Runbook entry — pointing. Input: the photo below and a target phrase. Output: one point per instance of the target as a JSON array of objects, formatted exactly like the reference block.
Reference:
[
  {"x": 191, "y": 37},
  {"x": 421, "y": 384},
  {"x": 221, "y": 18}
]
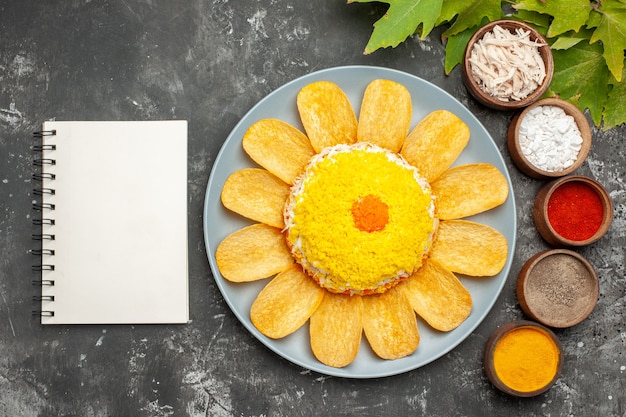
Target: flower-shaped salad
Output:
[{"x": 360, "y": 222}]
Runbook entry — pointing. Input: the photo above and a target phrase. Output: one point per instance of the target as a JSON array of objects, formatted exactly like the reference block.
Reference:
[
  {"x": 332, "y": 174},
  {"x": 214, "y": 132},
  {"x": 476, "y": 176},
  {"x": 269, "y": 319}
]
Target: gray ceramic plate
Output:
[{"x": 219, "y": 222}]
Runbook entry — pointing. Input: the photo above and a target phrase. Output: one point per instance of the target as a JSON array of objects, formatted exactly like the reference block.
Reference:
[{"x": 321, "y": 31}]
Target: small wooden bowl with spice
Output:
[
  {"x": 549, "y": 139},
  {"x": 523, "y": 358},
  {"x": 572, "y": 211},
  {"x": 558, "y": 288},
  {"x": 495, "y": 75}
]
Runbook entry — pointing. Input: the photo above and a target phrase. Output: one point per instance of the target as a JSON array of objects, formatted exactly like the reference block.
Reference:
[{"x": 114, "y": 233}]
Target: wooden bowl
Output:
[
  {"x": 500, "y": 366},
  {"x": 579, "y": 210},
  {"x": 558, "y": 288},
  {"x": 517, "y": 154},
  {"x": 486, "y": 99}
]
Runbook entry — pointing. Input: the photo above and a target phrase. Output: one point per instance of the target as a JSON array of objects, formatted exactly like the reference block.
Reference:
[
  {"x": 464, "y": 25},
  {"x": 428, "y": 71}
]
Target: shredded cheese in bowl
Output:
[{"x": 506, "y": 65}]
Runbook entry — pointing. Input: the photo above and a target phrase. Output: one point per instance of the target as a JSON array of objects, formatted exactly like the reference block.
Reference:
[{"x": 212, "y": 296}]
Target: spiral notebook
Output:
[{"x": 111, "y": 200}]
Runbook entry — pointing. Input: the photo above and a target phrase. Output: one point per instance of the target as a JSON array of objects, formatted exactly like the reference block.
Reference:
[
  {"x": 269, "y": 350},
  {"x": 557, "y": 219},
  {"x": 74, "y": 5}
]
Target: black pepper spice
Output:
[{"x": 558, "y": 290}]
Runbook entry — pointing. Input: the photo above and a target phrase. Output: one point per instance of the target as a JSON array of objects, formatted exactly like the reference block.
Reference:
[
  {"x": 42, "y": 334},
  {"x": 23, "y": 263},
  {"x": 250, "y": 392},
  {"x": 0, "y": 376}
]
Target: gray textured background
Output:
[{"x": 209, "y": 62}]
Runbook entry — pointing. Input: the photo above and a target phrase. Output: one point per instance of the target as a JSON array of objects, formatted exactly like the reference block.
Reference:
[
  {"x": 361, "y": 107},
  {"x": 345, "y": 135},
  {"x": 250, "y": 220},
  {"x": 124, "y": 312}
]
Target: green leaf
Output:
[
  {"x": 581, "y": 76},
  {"x": 455, "y": 49},
  {"x": 569, "y": 39},
  {"x": 587, "y": 37},
  {"x": 539, "y": 20},
  {"x": 567, "y": 14},
  {"x": 465, "y": 14},
  {"x": 615, "y": 107},
  {"x": 610, "y": 24},
  {"x": 402, "y": 20},
  {"x": 564, "y": 42}
]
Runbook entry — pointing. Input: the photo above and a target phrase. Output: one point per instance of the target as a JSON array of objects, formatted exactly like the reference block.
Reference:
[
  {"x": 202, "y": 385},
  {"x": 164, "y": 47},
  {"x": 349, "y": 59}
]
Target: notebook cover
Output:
[{"x": 120, "y": 223}]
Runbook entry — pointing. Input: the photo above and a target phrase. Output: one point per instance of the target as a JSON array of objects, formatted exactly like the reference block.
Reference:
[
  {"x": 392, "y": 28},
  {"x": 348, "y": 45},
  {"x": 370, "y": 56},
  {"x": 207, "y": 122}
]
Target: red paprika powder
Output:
[{"x": 575, "y": 211}]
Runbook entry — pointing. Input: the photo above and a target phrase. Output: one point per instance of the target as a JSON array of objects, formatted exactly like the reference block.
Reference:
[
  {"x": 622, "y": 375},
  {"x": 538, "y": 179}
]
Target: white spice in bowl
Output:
[{"x": 549, "y": 138}]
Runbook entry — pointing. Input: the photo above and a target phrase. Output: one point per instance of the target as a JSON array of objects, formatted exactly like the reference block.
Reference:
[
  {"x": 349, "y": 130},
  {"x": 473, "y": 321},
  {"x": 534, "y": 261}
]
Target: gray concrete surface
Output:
[{"x": 209, "y": 62}]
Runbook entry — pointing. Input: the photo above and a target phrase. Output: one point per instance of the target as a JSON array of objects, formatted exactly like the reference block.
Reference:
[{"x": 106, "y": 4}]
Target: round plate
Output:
[{"x": 220, "y": 222}]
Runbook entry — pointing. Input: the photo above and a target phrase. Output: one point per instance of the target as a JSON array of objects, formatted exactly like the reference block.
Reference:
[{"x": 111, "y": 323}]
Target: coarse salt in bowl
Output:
[
  {"x": 550, "y": 138},
  {"x": 493, "y": 71}
]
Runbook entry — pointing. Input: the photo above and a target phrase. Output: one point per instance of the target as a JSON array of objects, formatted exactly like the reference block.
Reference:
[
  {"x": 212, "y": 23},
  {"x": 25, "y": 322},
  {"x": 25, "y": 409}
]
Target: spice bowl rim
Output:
[
  {"x": 490, "y": 346},
  {"x": 525, "y": 300},
  {"x": 515, "y": 150},
  {"x": 492, "y": 102},
  {"x": 540, "y": 212}
]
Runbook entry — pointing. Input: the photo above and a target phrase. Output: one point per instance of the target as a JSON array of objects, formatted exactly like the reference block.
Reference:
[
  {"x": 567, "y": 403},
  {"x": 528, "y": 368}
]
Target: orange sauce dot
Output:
[{"x": 370, "y": 214}]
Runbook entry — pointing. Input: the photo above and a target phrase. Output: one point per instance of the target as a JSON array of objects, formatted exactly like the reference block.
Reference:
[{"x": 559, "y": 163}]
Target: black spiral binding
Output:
[{"x": 43, "y": 211}]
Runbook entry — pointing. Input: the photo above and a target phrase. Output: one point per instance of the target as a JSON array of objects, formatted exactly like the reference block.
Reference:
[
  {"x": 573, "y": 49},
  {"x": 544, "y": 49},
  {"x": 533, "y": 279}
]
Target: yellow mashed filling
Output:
[{"x": 326, "y": 238}]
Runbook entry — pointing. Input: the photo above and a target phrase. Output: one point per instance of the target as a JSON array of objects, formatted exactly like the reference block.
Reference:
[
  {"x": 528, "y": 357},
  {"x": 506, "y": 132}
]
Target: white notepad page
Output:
[{"x": 120, "y": 223}]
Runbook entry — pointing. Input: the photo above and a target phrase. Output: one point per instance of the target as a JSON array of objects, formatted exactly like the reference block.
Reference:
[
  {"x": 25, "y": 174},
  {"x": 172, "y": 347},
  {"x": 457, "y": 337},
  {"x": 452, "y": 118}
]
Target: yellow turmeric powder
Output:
[{"x": 526, "y": 359}]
